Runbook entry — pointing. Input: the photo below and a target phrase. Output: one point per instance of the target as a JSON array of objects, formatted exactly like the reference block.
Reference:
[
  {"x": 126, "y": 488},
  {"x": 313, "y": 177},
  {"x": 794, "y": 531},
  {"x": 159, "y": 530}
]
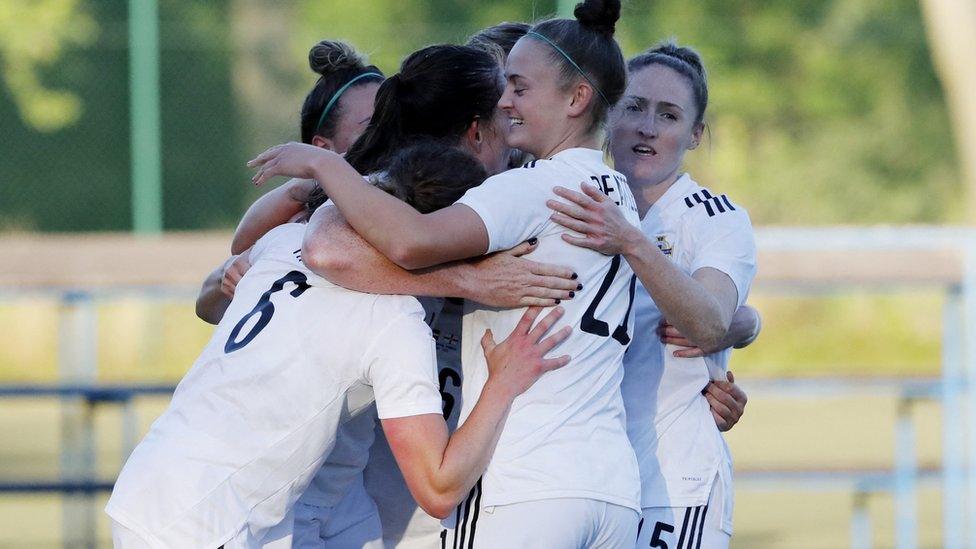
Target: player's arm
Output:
[
  {"x": 699, "y": 306},
  {"x": 410, "y": 239},
  {"x": 440, "y": 470},
  {"x": 744, "y": 329},
  {"x": 274, "y": 208},
  {"x": 218, "y": 288},
  {"x": 336, "y": 252}
]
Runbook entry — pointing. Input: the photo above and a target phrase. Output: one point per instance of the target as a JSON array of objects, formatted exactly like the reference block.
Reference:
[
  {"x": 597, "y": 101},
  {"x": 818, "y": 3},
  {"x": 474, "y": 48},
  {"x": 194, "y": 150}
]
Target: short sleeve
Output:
[
  {"x": 401, "y": 366},
  {"x": 512, "y": 205},
  {"x": 294, "y": 231},
  {"x": 725, "y": 242}
]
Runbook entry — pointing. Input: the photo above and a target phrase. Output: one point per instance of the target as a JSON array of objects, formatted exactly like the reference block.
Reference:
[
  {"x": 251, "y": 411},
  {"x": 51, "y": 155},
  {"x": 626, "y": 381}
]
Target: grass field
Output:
[{"x": 816, "y": 336}]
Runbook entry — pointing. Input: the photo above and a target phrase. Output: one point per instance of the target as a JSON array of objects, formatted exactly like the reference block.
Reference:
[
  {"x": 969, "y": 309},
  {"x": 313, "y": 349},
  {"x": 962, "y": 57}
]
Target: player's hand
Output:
[
  {"x": 727, "y": 402},
  {"x": 290, "y": 159},
  {"x": 233, "y": 272},
  {"x": 518, "y": 361},
  {"x": 592, "y": 214},
  {"x": 671, "y": 336},
  {"x": 505, "y": 279}
]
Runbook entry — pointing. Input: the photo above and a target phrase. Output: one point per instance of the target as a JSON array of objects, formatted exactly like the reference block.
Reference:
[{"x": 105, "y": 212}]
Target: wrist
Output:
[
  {"x": 498, "y": 390},
  {"x": 633, "y": 242}
]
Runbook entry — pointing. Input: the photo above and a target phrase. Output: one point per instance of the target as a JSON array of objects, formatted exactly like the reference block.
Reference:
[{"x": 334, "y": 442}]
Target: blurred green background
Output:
[{"x": 822, "y": 112}]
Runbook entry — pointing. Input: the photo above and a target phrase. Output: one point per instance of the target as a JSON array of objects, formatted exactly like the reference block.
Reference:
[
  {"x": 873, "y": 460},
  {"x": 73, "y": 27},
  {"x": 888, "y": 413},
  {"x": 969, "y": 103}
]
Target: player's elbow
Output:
[
  {"x": 710, "y": 334},
  {"x": 408, "y": 254},
  {"x": 439, "y": 505},
  {"x": 322, "y": 260},
  {"x": 205, "y": 312}
]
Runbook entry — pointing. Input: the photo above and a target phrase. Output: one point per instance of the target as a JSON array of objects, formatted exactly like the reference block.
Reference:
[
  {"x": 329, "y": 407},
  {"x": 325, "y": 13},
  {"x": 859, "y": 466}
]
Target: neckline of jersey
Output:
[
  {"x": 573, "y": 151},
  {"x": 675, "y": 192}
]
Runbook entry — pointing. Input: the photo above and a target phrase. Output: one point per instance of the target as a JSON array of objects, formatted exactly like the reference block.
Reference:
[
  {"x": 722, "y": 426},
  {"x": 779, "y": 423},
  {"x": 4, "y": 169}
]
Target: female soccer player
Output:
[
  {"x": 564, "y": 474},
  {"x": 695, "y": 257},
  {"x": 293, "y": 359}
]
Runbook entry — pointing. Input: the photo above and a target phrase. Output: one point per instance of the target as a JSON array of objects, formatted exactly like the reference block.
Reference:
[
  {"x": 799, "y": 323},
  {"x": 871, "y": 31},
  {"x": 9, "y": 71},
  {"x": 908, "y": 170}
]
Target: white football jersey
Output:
[
  {"x": 258, "y": 412},
  {"x": 678, "y": 445},
  {"x": 405, "y": 524},
  {"x": 566, "y": 436}
]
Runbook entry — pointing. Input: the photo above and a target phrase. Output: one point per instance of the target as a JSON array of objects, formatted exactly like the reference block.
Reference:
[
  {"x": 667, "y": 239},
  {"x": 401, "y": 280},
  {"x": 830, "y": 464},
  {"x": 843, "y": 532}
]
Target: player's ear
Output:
[
  {"x": 582, "y": 95},
  {"x": 474, "y": 135},
  {"x": 696, "y": 135},
  {"x": 323, "y": 143}
]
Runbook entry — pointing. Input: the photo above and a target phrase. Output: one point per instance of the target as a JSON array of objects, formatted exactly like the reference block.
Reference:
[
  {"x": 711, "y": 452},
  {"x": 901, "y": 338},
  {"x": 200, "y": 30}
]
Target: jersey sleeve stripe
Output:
[
  {"x": 701, "y": 527},
  {"x": 727, "y": 203},
  {"x": 684, "y": 527}
]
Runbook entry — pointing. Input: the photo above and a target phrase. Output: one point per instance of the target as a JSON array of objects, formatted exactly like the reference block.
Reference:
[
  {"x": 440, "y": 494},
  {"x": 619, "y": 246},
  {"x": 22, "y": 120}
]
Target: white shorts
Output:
[
  {"x": 569, "y": 523},
  {"x": 707, "y": 526}
]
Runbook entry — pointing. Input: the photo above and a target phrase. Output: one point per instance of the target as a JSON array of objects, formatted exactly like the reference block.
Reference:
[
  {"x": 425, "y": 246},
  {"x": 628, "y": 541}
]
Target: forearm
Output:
[
  {"x": 333, "y": 250},
  {"x": 682, "y": 300},
  {"x": 470, "y": 447},
  {"x": 270, "y": 210},
  {"x": 390, "y": 225},
  {"x": 212, "y": 303}
]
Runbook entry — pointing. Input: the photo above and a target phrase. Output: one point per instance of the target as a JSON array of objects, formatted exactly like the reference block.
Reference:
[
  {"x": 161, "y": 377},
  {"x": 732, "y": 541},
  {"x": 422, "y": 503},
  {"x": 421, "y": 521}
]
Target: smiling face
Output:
[
  {"x": 355, "y": 110},
  {"x": 536, "y": 106},
  {"x": 653, "y": 125}
]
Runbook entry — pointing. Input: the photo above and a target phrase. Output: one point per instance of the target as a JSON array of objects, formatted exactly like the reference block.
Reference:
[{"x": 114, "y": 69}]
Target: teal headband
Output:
[
  {"x": 336, "y": 95},
  {"x": 571, "y": 62}
]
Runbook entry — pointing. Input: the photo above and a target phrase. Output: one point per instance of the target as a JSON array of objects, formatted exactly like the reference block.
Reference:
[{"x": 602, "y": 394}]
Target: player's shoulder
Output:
[
  {"x": 284, "y": 239},
  {"x": 700, "y": 205}
]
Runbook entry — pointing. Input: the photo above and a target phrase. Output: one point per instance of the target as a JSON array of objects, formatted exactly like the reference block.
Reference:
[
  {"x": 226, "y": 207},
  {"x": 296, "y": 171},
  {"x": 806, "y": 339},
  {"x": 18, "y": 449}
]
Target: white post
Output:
[
  {"x": 861, "y": 522},
  {"x": 77, "y": 363},
  {"x": 906, "y": 480},
  {"x": 953, "y": 426}
]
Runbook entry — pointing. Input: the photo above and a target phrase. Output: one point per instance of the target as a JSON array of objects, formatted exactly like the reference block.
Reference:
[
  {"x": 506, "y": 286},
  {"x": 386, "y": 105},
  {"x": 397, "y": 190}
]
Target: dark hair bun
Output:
[
  {"x": 599, "y": 15},
  {"x": 688, "y": 55},
  {"x": 329, "y": 56}
]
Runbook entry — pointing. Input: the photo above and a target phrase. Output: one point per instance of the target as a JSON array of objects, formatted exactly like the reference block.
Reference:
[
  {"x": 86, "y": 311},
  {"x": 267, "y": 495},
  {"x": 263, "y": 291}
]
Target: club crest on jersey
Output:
[{"x": 663, "y": 245}]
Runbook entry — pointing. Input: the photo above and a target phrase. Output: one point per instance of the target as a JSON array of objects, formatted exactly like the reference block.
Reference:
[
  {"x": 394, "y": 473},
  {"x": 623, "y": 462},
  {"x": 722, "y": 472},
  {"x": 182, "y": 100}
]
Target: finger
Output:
[
  {"x": 227, "y": 290},
  {"x": 720, "y": 394},
  {"x": 593, "y": 192},
  {"x": 533, "y": 301},
  {"x": 689, "y": 352},
  {"x": 556, "y": 283},
  {"x": 547, "y": 322},
  {"x": 487, "y": 342},
  {"x": 582, "y": 242},
  {"x": 523, "y": 248},
  {"x": 551, "y": 364},
  {"x": 720, "y": 422},
  {"x": 572, "y": 224},
  {"x": 720, "y": 409},
  {"x": 679, "y": 341},
  {"x": 572, "y": 210},
  {"x": 547, "y": 269},
  {"x": 549, "y": 293},
  {"x": 738, "y": 394},
  {"x": 577, "y": 198},
  {"x": 264, "y": 157},
  {"x": 671, "y": 331},
  {"x": 528, "y": 318},
  {"x": 267, "y": 172},
  {"x": 555, "y": 339},
  {"x": 729, "y": 376}
]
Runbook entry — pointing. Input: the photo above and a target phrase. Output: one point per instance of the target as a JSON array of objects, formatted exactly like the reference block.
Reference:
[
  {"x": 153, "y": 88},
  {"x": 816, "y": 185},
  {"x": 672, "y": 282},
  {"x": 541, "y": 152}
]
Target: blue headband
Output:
[
  {"x": 336, "y": 95},
  {"x": 571, "y": 62}
]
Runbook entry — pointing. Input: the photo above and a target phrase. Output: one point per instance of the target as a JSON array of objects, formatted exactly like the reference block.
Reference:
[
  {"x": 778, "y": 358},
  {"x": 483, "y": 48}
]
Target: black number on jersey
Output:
[
  {"x": 591, "y": 325},
  {"x": 447, "y": 399},
  {"x": 656, "y": 540},
  {"x": 266, "y": 309}
]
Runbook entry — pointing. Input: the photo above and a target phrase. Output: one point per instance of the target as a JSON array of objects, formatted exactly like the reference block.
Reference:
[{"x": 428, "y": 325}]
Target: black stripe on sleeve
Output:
[
  {"x": 688, "y": 202},
  {"x": 718, "y": 204},
  {"x": 727, "y": 203},
  {"x": 708, "y": 208},
  {"x": 697, "y": 198},
  {"x": 684, "y": 527},
  {"x": 705, "y": 193},
  {"x": 701, "y": 528}
]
